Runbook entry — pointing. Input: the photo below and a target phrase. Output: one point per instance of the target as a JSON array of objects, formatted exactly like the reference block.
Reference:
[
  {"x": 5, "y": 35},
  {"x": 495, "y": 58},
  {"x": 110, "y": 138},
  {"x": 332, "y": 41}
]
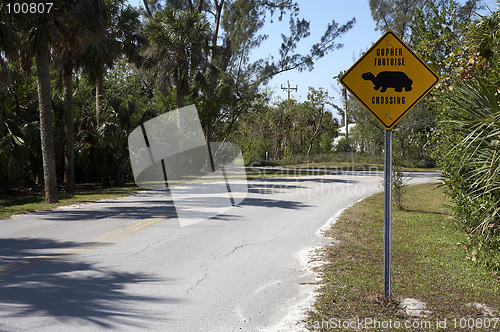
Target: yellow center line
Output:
[
  {"x": 7, "y": 266},
  {"x": 122, "y": 229},
  {"x": 75, "y": 250}
]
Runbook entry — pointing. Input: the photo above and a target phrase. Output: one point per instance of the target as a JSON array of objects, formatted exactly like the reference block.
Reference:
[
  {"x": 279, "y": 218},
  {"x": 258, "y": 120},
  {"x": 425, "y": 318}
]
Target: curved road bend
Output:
[{"x": 128, "y": 265}]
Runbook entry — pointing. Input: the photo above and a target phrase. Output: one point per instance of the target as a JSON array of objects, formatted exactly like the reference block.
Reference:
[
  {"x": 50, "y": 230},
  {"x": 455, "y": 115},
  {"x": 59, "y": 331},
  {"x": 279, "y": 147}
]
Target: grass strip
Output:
[
  {"x": 429, "y": 263},
  {"x": 32, "y": 201},
  {"x": 309, "y": 169}
]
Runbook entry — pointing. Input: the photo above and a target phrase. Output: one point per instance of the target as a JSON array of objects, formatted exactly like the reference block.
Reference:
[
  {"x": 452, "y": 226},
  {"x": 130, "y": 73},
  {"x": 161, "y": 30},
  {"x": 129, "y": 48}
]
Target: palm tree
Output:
[
  {"x": 475, "y": 116},
  {"x": 179, "y": 47},
  {"x": 485, "y": 33},
  {"x": 121, "y": 35},
  {"x": 119, "y": 125},
  {"x": 84, "y": 20},
  {"x": 42, "y": 34},
  {"x": 36, "y": 35},
  {"x": 112, "y": 134},
  {"x": 41, "y": 51},
  {"x": 471, "y": 164}
]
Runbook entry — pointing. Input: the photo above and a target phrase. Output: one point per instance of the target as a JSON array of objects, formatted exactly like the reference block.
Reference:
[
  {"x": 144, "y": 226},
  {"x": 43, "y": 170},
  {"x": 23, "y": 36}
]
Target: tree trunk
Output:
[
  {"x": 316, "y": 132},
  {"x": 310, "y": 145},
  {"x": 103, "y": 164},
  {"x": 102, "y": 153},
  {"x": 218, "y": 15},
  {"x": 200, "y": 6},
  {"x": 3, "y": 129},
  {"x": 46, "y": 127},
  {"x": 215, "y": 33},
  {"x": 99, "y": 94},
  {"x": 119, "y": 176},
  {"x": 293, "y": 141},
  {"x": 69, "y": 130},
  {"x": 180, "y": 97},
  {"x": 148, "y": 11}
]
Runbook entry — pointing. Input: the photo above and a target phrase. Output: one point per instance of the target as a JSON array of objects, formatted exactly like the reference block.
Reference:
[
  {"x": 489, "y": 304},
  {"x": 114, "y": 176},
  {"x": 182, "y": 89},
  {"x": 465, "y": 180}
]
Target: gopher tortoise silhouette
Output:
[{"x": 389, "y": 79}]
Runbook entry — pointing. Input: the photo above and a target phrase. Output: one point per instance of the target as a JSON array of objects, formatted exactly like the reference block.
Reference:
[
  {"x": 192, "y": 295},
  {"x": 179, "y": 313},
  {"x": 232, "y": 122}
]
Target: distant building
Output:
[{"x": 341, "y": 135}]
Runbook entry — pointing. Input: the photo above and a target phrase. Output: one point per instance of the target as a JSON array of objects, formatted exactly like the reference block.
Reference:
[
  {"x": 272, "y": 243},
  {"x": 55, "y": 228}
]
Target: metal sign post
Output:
[
  {"x": 387, "y": 212},
  {"x": 388, "y": 80}
]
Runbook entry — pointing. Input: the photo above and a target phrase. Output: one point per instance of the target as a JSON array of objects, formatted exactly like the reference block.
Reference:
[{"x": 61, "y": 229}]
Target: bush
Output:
[
  {"x": 345, "y": 145},
  {"x": 468, "y": 156}
]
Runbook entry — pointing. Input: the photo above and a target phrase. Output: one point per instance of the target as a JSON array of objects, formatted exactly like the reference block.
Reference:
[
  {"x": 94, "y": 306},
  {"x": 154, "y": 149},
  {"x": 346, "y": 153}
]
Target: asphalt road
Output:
[{"x": 127, "y": 264}]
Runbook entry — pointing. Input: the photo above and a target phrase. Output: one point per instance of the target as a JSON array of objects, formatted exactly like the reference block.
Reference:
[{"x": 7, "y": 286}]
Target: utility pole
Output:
[
  {"x": 288, "y": 88},
  {"x": 344, "y": 94}
]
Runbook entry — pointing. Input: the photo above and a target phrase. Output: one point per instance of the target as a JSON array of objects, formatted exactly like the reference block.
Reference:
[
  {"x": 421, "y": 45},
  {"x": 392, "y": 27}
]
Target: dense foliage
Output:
[
  {"x": 458, "y": 124},
  {"x": 468, "y": 138},
  {"x": 432, "y": 29},
  {"x": 287, "y": 129},
  {"x": 77, "y": 80}
]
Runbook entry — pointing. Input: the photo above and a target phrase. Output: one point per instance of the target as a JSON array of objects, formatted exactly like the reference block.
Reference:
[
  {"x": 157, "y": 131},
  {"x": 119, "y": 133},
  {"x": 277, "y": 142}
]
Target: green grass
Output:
[
  {"x": 429, "y": 263},
  {"x": 346, "y": 161},
  {"x": 345, "y": 165},
  {"x": 319, "y": 169},
  {"x": 354, "y": 166},
  {"x": 31, "y": 201}
]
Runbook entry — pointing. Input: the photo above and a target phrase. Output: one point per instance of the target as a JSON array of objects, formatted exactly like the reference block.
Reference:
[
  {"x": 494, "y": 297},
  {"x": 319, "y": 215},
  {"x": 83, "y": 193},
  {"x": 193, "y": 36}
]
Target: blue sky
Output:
[{"x": 320, "y": 13}]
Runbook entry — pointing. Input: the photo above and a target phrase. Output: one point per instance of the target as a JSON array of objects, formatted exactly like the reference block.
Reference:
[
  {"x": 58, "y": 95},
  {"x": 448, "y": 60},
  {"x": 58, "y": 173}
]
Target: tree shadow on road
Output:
[
  {"x": 64, "y": 289},
  {"x": 153, "y": 203}
]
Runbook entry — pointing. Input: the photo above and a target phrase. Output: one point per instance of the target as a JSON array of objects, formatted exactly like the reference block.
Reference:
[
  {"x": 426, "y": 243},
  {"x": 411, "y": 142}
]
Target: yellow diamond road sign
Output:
[{"x": 389, "y": 79}]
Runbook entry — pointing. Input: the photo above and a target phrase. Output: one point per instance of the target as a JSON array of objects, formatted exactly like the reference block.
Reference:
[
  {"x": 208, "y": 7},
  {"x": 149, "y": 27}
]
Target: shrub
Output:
[{"x": 469, "y": 158}]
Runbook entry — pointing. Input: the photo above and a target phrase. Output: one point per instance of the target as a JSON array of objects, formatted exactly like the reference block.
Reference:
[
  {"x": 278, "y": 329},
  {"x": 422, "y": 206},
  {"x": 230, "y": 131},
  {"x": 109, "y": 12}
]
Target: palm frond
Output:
[{"x": 474, "y": 118}]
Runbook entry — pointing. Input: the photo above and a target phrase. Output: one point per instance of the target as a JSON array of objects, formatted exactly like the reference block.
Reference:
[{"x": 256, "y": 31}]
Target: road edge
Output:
[{"x": 310, "y": 259}]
